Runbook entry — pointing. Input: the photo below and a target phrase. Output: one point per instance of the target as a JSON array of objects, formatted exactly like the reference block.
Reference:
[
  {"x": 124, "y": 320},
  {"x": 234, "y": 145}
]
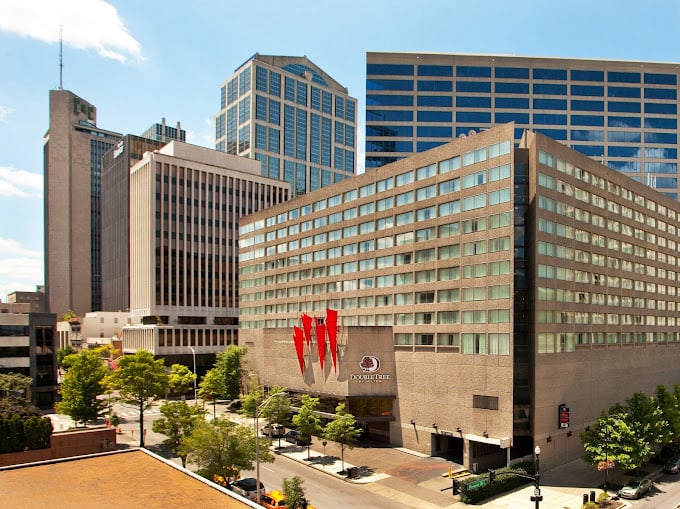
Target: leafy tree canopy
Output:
[
  {"x": 178, "y": 421},
  {"x": 294, "y": 493},
  {"x": 82, "y": 385},
  {"x": 230, "y": 366},
  {"x": 181, "y": 379}
]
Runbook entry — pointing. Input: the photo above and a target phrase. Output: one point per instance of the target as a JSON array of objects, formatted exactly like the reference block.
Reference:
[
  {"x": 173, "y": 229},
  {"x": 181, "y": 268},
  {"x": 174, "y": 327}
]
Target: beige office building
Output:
[
  {"x": 185, "y": 205},
  {"x": 480, "y": 288}
]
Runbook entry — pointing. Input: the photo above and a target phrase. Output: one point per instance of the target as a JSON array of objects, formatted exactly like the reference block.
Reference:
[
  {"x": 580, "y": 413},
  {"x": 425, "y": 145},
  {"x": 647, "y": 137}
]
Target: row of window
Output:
[
  {"x": 537, "y": 73},
  {"x": 386, "y": 184},
  {"x": 566, "y": 342}
]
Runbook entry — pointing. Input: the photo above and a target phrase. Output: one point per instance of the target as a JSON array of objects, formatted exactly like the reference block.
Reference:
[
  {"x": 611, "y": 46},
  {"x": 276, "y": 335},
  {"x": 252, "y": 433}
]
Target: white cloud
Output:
[
  {"x": 4, "y": 114},
  {"x": 21, "y": 269},
  {"x": 86, "y": 24},
  {"x": 20, "y": 183},
  {"x": 204, "y": 137}
]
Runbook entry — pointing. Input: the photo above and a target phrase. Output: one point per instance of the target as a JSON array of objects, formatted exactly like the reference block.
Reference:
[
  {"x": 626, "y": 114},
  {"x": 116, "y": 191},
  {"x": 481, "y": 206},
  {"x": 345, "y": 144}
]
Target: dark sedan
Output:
[{"x": 295, "y": 437}]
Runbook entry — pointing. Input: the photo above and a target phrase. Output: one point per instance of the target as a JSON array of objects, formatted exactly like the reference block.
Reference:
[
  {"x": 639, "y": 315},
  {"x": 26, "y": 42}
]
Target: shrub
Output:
[
  {"x": 589, "y": 505},
  {"x": 506, "y": 480},
  {"x": 17, "y": 434}
]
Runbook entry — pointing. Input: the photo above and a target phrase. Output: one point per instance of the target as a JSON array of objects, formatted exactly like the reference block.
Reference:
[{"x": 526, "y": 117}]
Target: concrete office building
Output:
[
  {"x": 28, "y": 347},
  {"x": 115, "y": 199},
  {"x": 36, "y": 300},
  {"x": 73, "y": 149},
  {"x": 479, "y": 288},
  {"x": 623, "y": 114},
  {"x": 185, "y": 205},
  {"x": 291, "y": 116}
]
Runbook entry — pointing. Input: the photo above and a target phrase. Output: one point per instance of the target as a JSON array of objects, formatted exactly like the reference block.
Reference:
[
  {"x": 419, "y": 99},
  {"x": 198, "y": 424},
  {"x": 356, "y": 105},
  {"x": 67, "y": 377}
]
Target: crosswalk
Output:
[{"x": 132, "y": 413}]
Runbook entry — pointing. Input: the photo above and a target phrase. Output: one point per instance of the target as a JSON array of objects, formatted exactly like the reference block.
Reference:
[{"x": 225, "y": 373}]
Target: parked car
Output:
[
  {"x": 277, "y": 500},
  {"x": 672, "y": 466},
  {"x": 295, "y": 437},
  {"x": 635, "y": 488},
  {"x": 235, "y": 405},
  {"x": 246, "y": 488},
  {"x": 273, "y": 430}
]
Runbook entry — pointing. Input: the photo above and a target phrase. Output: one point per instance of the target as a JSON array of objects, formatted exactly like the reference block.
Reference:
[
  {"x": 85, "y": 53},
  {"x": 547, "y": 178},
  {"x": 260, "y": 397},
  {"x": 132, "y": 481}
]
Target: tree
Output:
[
  {"x": 229, "y": 365},
  {"x": 669, "y": 403},
  {"x": 343, "y": 429},
  {"x": 82, "y": 386},
  {"x": 646, "y": 419},
  {"x": 223, "y": 448},
  {"x": 68, "y": 316},
  {"x": 16, "y": 384},
  {"x": 252, "y": 400},
  {"x": 181, "y": 379},
  {"x": 278, "y": 409},
  {"x": 294, "y": 493},
  {"x": 307, "y": 422},
  {"x": 63, "y": 353},
  {"x": 178, "y": 421},
  {"x": 211, "y": 386},
  {"x": 140, "y": 380},
  {"x": 612, "y": 439}
]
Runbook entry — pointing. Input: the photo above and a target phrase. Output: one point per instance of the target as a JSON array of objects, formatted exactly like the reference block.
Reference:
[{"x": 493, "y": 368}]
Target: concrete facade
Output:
[{"x": 505, "y": 277}]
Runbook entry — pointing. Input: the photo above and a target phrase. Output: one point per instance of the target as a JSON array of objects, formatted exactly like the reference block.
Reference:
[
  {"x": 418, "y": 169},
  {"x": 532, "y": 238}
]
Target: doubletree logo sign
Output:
[{"x": 369, "y": 364}]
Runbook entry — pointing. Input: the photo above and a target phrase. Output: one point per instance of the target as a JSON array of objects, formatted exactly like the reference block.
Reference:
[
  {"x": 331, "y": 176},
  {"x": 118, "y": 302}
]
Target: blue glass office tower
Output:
[
  {"x": 624, "y": 114},
  {"x": 292, "y": 117}
]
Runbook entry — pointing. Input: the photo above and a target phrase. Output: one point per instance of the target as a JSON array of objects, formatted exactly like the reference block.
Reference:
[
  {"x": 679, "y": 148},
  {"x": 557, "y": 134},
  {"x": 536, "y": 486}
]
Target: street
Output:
[{"x": 664, "y": 495}]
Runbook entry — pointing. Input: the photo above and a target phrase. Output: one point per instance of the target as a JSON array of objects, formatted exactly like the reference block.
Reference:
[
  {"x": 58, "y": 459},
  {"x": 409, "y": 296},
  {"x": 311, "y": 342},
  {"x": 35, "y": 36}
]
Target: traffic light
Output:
[
  {"x": 492, "y": 476},
  {"x": 455, "y": 486}
]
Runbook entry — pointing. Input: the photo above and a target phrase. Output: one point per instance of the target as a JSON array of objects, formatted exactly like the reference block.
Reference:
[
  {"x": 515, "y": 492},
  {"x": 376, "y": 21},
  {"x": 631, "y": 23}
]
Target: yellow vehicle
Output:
[{"x": 277, "y": 500}]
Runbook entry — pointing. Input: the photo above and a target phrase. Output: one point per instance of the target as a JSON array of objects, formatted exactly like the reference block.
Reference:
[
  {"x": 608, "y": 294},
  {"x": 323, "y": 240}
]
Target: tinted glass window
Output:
[
  {"x": 661, "y": 123},
  {"x": 578, "y": 75},
  {"x": 661, "y": 153},
  {"x": 590, "y": 150},
  {"x": 661, "y": 79},
  {"x": 623, "y": 107},
  {"x": 435, "y": 86},
  {"x": 665, "y": 138},
  {"x": 630, "y": 122},
  {"x": 427, "y": 145},
  {"x": 512, "y": 102},
  {"x": 550, "y": 89},
  {"x": 473, "y": 116},
  {"x": 466, "y": 130},
  {"x": 390, "y": 130},
  {"x": 511, "y": 88},
  {"x": 520, "y": 118},
  {"x": 583, "y": 105},
  {"x": 445, "y": 101},
  {"x": 434, "y": 132},
  {"x": 373, "y": 84},
  {"x": 587, "y": 135},
  {"x": 550, "y": 74},
  {"x": 434, "y": 116},
  {"x": 550, "y": 104},
  {"x": 386, "y": 69},
  {"x": 661, "y": 93},
  {"x": 624, "y": 136},
  {"x": 613, "y": 151},
  {"x": 632, "y": 92},
  {"x": 623, "y": 77},
  {"x": 389, "y": 100},
  {"x": 390, "y": 115},
  {"x": 588, "y": 90},
  {"x": 389, "y": 146},
  {"x": 661, "y": 108},
  {"x": 550, "y": 119},
  {"x": 473, "y": 86},
  {"x": 587, "y": 120},
  {"x": 511, "y": 72},
  {"x": 473, "y": 102},
  {"x": 435, "y": 70},
  {"x": 377, "y": 161},
  {"x": 555, "y": 134},
  {"x": 627, "y": 166},
  {"x": 473, "y": 72}
]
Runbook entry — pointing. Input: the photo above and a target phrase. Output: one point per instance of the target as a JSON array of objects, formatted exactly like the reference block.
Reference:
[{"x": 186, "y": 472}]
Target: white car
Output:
[
  {"x": 246, "y": 488},
  {"x": 635, "y": 488},
  {"x": 273, "y": 430}
]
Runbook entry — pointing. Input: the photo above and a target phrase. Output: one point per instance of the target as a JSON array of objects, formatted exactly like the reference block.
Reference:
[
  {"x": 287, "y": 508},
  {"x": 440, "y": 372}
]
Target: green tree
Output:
[
  {"x": 178, "y": 421},
  {"x": 306, "y": 420},
  {"x": 68, "y": 316},
  {"x": 342, "y": 429},
  {"x": 279, "y": 408},
  {"x": 230, "y": 366},
  {"x": 670, "y": 410},
  {"x": 63, "y": 353},
  {"x": 611, "y": 438},
  {"x": 181, "y": 379},
  {"x": 82, "y": 386},
  {"x": 645, "y": 418},
  {"x": 223, "y": 448},
  {"x": 140, "y": 380},
  {"x": 211, "y": 386},
  {"x": 294, "y": 493},
  {"x": 252, "y": 400},
  {"x": 16, "y": 382}
]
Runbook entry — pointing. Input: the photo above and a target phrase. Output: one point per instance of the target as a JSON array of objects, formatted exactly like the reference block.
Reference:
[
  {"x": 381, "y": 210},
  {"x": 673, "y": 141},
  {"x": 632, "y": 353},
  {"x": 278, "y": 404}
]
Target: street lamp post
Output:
[
  {"x": 537, "y": 478},
  {"x": 257, "y": 439},
  {"x": 193, "y": 353}
]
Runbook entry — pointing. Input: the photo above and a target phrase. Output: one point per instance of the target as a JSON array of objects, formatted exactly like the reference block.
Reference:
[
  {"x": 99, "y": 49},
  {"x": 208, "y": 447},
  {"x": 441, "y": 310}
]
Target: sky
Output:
[{"x": 138, "y": 62}]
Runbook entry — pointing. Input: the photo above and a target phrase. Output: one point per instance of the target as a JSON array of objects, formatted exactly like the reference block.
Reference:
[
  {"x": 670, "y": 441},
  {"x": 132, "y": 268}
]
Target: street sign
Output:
[{"x": 476, "y": 484}]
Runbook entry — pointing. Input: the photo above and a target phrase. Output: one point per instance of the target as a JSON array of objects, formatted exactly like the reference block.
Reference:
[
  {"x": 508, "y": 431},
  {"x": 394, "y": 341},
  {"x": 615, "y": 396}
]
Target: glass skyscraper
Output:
[
  {"x": 623, "y": 114},
  {"x": 292, "y": 117}
]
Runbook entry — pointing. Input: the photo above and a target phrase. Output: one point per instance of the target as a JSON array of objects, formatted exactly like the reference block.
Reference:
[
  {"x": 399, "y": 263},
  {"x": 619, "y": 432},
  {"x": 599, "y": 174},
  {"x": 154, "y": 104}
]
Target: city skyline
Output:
[{"x": 130, "y": 61}]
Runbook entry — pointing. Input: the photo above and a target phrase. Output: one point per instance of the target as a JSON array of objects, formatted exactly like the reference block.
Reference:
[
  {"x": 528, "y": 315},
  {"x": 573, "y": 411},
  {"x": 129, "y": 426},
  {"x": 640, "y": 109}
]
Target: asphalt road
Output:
[{"x": 664, "y": 495}]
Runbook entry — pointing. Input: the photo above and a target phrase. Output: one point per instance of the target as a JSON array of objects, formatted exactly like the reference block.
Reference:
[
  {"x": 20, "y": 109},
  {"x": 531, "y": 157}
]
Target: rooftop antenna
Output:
[{"x": 61, "y": 60}]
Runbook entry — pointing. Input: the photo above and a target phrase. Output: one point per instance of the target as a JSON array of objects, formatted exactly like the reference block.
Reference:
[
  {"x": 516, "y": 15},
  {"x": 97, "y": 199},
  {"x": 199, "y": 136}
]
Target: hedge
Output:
[
  {"x": 505, "y": 481},
  {"x": 17, "y": 434}
]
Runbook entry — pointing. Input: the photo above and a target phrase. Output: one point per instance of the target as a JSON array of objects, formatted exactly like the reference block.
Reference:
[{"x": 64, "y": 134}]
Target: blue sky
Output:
[{"x": 140, "y": 61}]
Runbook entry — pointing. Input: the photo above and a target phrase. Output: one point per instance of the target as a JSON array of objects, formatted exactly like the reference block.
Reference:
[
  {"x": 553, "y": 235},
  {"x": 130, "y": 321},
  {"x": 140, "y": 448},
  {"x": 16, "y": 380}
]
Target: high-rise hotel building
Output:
[
  {"x": 185, "y": 205},
  {"x": 620, "y": 113},
  {"x": 292, "y": 117},
  {"x": 480, "y": 287}
]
